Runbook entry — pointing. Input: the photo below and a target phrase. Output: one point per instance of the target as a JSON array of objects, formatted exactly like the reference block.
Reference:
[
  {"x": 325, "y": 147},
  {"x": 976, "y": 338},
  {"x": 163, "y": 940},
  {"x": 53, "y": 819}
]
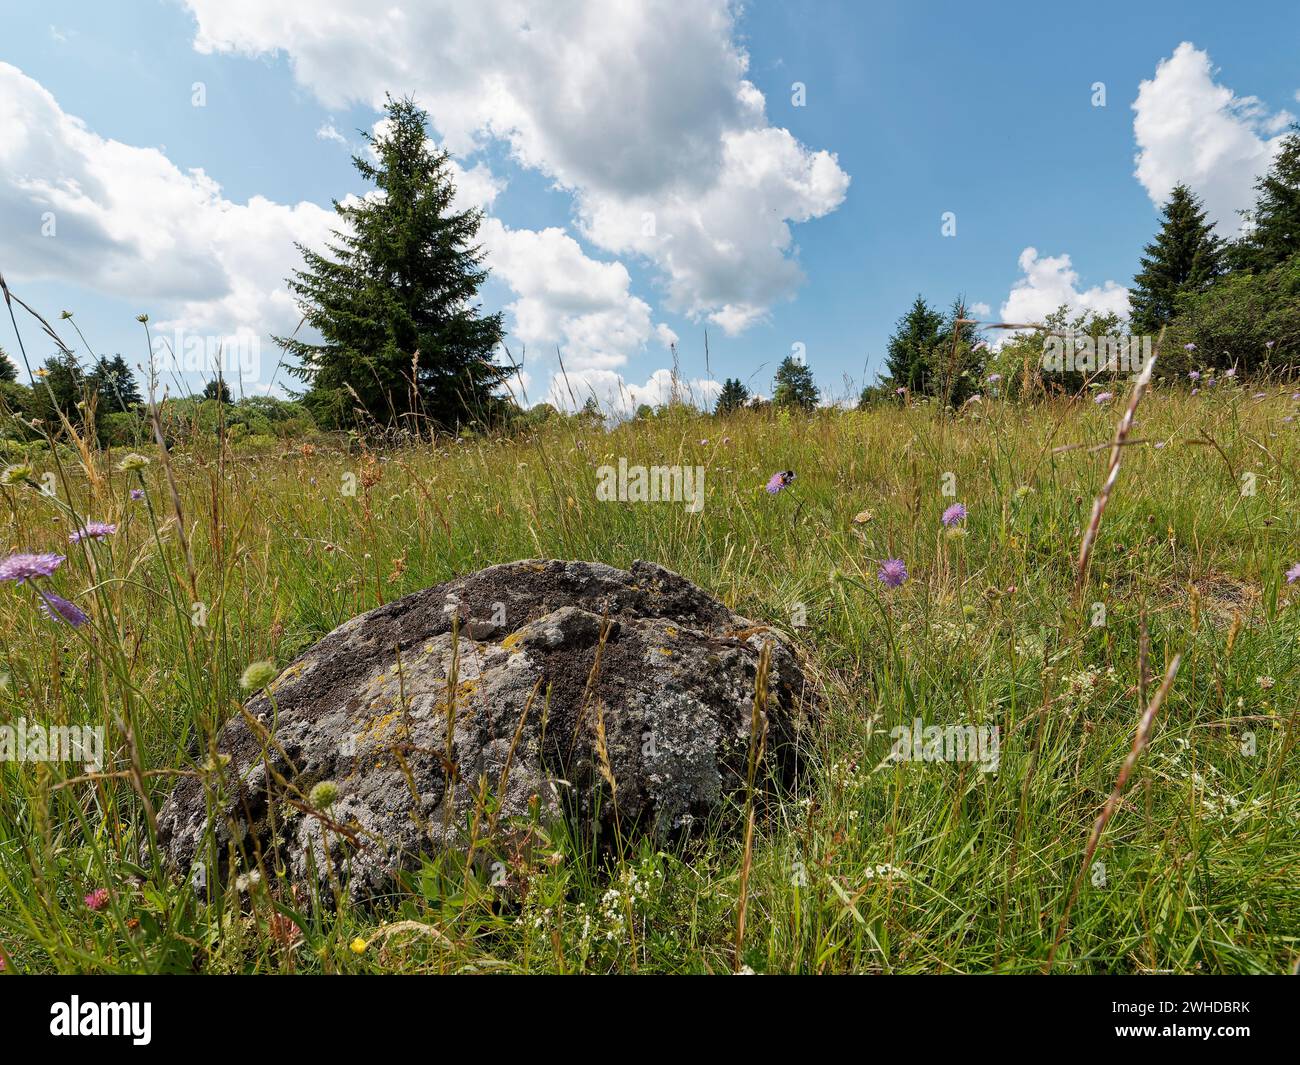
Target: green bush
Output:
[
  {"x": 1250, "y": 321},
  {"x": 16, "y": 410},
  {"x": 1020, "y": 359},
  {"x": 120, "y": 429}
]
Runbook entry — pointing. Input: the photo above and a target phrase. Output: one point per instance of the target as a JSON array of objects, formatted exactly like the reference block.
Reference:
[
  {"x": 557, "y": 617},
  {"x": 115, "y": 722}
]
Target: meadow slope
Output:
[{"x": 872, "y": 866}]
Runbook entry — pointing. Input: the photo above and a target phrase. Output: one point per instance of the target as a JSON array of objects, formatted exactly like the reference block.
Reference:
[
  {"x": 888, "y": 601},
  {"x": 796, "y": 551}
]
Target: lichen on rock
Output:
[{"x": 545, "y": 679}]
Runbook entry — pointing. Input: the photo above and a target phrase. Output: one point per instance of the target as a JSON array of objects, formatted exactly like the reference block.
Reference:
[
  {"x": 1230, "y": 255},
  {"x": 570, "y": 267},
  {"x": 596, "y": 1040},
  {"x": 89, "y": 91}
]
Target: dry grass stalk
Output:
[
  {"x": 1112, "y": 802},
  {"x": 1116, "y": 452}
]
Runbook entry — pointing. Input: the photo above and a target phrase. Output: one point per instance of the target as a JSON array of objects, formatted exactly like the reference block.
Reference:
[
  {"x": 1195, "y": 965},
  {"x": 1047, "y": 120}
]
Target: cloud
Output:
[
  {"x": 126, "y": 221},
  {"x": 642, "y": 111},
  {"x": 475, "y": 187},
  {"x": 566, "y": 299},
  {"x": 1193, "y": 130},
  {"x": 723, "y": 248},
  {"x": 328, "y": 132},
  {"x": 621, "y": 398},
  {"x": 1051, "y": 281}
]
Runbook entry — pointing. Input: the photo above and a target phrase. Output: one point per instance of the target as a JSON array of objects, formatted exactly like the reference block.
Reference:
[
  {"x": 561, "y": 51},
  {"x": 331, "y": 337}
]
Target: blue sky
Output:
[{"x": 775, "y": 225}]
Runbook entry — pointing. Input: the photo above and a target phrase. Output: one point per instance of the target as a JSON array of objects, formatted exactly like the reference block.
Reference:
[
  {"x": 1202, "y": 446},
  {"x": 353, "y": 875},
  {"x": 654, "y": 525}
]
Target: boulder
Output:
[{"x": 558, "y": 689}]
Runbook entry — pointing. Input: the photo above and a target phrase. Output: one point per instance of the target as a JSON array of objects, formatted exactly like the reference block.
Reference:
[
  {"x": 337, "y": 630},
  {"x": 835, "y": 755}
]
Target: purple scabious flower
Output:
[
  {"x": 1104, "y": 397},
  {"x": 137, "y": 494},
  {"x": 1269, "y": 343},
  {"x": 56, "y": 608},
  {"x": 21, "y": 568},
  {"x": 94, "y": 530},
  {"x": 993, "y": 378},
  {"x": 780, "y": 480},
  {"x": 954, "y": 515},
  {"x": 1195, "y": 375},
  {"x": 892, "y": 572},
  {"x": 1293, "y": 574},
  {"x": 1231, "y": 371},
  {"x": 1189, "y": 347}
]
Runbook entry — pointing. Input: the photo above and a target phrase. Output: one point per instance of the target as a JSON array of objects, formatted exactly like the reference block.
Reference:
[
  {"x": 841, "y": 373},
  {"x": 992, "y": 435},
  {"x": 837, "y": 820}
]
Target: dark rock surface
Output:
[{"x": 566, "y": 647}]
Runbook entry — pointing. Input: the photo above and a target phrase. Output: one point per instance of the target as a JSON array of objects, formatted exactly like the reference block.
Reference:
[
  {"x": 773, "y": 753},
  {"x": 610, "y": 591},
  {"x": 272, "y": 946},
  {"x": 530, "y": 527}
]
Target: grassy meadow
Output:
[{"x": 872, "y": 866}]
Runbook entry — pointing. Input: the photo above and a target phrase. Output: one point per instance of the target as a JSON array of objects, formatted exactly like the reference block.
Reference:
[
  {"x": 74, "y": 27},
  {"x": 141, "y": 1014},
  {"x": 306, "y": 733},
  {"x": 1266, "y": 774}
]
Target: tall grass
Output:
[{"x": 872, "y": 865}]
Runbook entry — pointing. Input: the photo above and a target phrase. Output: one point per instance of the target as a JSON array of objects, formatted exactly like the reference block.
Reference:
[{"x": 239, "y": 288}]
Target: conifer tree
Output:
[
  {"x": 908, "y": 356},
  {"x": 392, "y": 296},
  {"x": 1185, "y": 257},
  {"x": 794, "y": 386},
  {"x": 1273, "y": 235},
  {"x": 217, "y": 389},
  {"x": 114, "y": 385},
  {"x": 957, "y": 356},
  {"x": 733, "y": 397}
]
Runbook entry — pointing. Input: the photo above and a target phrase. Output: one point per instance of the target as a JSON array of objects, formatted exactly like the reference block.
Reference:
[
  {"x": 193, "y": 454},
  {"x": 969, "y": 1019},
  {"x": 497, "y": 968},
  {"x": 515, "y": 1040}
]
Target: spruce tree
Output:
[
  {"x": 794, "y": 386},
  {"x": 1273, "y": 235},
  {"x": 217, "y": 389},
  {"x": 1185, "y": 257},
  {"x": 956, "y": 359},
  {"x": 114, "y": 385},
  {"x": 8, "y": 371},
  {"x": 908, "y": 356},
  {"x": 392, "y": 298},
  {"x": 733, "y": 396}
]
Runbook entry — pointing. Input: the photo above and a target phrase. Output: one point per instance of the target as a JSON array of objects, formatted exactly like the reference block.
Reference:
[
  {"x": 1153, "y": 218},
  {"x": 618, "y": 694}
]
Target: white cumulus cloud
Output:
[
  {"x": 642, "y": 111},
  {"x": 566, "y": 299},
  {"x": 620, "y": 397},
  {"x": 128, "y": 222},
  {"x": 1048, "y": 282},
  {"x": 1193, "y": 130}
]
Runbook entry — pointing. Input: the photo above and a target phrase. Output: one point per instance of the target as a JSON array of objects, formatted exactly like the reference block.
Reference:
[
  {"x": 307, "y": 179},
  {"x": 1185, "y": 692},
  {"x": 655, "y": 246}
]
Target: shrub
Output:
[
  {"x": 1250, "y": 321},
  {"x": 121, "y": 429}
]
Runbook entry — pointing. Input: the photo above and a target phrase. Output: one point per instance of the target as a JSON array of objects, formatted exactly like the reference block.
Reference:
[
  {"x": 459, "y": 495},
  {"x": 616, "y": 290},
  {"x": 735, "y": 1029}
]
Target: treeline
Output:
[
  {"x": 1221, "y": 304},
  {"x": 102, "y": 401},
  {"x": 398, "y": 344},
  {"x": 103, "y": 404}
]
